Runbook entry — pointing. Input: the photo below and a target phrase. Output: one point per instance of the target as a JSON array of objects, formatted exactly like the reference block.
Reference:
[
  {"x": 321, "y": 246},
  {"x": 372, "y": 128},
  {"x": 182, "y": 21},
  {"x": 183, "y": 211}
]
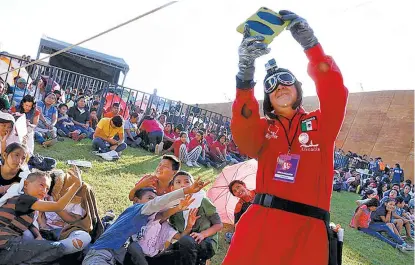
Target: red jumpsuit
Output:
[{"x": 267, "y": 236}]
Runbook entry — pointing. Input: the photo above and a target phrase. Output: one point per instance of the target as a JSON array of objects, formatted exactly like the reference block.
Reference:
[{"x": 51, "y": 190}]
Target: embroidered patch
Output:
[{"x": 309, "y": 124}]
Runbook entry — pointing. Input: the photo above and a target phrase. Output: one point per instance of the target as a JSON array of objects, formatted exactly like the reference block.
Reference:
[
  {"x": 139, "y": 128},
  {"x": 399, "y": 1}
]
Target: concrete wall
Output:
[{"x": 377, "y": 123}]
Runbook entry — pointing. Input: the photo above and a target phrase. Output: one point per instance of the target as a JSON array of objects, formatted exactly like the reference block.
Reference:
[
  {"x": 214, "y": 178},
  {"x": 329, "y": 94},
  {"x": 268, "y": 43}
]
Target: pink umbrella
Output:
[{"x": 219, "y": 193}]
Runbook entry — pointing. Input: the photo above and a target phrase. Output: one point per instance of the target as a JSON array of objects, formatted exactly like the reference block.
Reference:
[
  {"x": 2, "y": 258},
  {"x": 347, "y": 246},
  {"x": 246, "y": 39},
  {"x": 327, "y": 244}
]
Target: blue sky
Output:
[{"x": 188, "y": 51}]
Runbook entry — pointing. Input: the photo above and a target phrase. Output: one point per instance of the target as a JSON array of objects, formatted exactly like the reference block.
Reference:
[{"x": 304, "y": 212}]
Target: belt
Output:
[{"x": 271, "y": 201}]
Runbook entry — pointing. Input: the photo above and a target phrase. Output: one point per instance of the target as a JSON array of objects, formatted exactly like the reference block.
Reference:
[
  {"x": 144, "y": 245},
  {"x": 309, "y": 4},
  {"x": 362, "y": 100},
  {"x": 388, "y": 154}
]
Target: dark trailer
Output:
[{"x": 85, "y": 61}]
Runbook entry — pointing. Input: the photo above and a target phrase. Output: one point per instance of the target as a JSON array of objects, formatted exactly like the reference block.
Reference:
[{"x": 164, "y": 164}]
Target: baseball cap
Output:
[{"x": 21, "y": 80}]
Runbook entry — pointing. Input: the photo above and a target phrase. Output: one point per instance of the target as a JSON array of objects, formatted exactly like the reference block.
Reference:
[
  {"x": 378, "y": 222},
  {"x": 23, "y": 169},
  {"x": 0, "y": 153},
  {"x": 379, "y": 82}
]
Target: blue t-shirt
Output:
[
  {"x": 128, "y": 223},
  {"x": 397, "y": 174},
  {"x": 47, "y": 112},
  {"x": 18, "y": 94},
  {"x": 63, "y": 120}
]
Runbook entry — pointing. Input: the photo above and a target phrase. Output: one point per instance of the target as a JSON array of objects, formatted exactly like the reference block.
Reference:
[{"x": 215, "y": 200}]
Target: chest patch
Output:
[{"x": 309, "y": 124}]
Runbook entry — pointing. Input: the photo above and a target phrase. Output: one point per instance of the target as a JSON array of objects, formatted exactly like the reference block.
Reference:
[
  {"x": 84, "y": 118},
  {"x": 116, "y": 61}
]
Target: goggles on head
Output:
[{"x": 279, "y": 78}]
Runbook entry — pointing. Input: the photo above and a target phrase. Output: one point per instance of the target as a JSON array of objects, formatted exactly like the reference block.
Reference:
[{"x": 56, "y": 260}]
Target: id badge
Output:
[{"x": 287, "y": 165}]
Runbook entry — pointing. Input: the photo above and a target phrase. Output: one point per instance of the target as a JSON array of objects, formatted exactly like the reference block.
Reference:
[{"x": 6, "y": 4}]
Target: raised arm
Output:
[
  {"x": 247, "y": 128},
  {"x": 326, "y": 75},
  {"x": 331, "y": 91}
]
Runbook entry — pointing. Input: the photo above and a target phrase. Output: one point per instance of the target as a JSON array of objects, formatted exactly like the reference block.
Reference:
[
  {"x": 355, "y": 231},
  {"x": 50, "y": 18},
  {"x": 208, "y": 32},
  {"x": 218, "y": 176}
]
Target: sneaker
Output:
[
  {"x": 74, "y": 135},
  {"x": 60, "y": 139},
  {"x": 189, "y": 164},
  {"x": 82, "y": 136},
  {"x": 109, "y": 216},
  {"x": 61, "y": 133},
  {"x": 50, "y": 142},
  {"x": 195, "y": 164},
  {"x": 156, "y": 150},
  {"x": 151, "y": 148},
  {"x": 404, "y": 247}
]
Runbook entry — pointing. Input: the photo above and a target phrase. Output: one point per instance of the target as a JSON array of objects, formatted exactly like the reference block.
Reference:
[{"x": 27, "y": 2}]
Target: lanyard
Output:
[{"x": 290, "y": 142}]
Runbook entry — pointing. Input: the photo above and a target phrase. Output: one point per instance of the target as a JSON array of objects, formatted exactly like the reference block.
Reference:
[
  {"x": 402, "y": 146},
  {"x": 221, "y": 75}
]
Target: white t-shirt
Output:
[
  {"x": 155, "y": 236},
  {"x": 53, "y": 220}
]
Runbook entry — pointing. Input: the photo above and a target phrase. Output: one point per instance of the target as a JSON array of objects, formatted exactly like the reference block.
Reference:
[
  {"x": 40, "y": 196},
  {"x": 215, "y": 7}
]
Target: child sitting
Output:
[
  {"x": 158, "y": 233},
  {"x": 93, "y": 119},
  {"x": 65, "y": 125},
  {"x": 203, "y": 238},
  {"x": 180, "y": 150},
  {"x": 131, "y": 131},
  {"x": 110, "y": 247},
  {"x": 18, "y": 216}
]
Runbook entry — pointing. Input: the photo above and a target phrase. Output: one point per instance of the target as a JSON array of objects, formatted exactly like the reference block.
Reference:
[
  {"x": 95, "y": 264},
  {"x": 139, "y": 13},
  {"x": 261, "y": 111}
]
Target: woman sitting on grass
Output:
[
  {"x": 13, "y": 158},
  {"x": 362, "y": 222}
]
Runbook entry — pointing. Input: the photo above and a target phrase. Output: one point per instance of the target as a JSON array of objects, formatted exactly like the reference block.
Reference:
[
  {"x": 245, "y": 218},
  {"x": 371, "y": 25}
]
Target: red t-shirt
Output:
[
  {"x": 176, "y": 135},
  {"x": 209, "y": 140},
  {"x": 170, "y": 135},
  {"x": 192, "y": 135},
  {"x": 176, "y": 147},
  {"x": 221, "y": 147},
  {"x": 193, "y": 144},
  {"x": 151, "y": 126},
  {"x": 364, "y": 219},
  {"x": 232, "y": 147}
]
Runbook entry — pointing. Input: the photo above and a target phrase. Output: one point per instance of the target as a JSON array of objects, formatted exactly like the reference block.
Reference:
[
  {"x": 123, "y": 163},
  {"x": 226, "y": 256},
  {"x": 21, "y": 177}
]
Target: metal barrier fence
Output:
[
  {"x": 71, "y": 84},
  {"x": 343, "y": 161}
]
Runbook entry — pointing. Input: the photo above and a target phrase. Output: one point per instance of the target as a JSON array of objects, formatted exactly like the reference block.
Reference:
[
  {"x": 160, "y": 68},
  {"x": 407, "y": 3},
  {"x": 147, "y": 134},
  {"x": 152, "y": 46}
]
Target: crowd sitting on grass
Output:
[
  {"x": 54, "y": 214},
  {"x": 387, "y": 204},
  {"x": 51, "y": 117}
]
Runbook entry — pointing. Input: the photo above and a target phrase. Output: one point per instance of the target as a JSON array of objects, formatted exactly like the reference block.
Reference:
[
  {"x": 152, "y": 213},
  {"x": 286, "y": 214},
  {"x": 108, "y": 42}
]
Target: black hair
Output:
[
  {"x": 93, "y": 109},
  {"x": 79, "y": 98},
  {"x": 267, "y": 106},
  {"x": 3, "y": 104},
  {"x": 12, "y": 147},
  {"x": 233, "y": 182},
  {"x": 62, "y": 105},
  {"x": 388, "y": 200},
  {"x": 133, "y": 115},
  {"x": 116, "y": 104},
  {"x": 183, "y": 133},
  {"x": 220, "y": 136},
  {"x": 372, "y": 203},
  {"x": 200, "y": 132},
  {"x": 95, "y": 103},
  {"x": 399, "y": 199},
  {"x": 117, "y": 120},
  {"x": 171, "y": 124},
  {"x": 399, "y": 166},
  {"x": 27, "y": 98},
  {"x": 367, "y": 193},
  {"x": 396, "y": 184},
  {"x": 182, "y": 173},
  {"x": 408, "y": 182},
  {"x": 6, "y": 121},
  {"x": 179, "y": 127},
  {"x": 407, "y": 185},
  {"x": 140, "y": 193},
  {"x": 175, "y": 162}
]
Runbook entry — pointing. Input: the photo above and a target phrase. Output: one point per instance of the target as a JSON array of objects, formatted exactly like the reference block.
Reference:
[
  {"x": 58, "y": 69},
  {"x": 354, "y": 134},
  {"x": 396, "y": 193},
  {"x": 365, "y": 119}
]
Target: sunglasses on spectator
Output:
[{"x": 280, "y": 78}]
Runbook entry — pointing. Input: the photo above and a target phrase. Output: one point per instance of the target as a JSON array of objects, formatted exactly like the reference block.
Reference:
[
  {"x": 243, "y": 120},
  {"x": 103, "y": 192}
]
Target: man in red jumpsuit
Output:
[{"x": 287, "y": 222}]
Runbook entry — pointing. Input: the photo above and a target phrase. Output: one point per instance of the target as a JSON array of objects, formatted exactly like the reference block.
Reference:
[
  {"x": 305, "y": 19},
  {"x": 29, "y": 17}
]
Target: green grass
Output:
[{"x": 112, "y": 182}]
